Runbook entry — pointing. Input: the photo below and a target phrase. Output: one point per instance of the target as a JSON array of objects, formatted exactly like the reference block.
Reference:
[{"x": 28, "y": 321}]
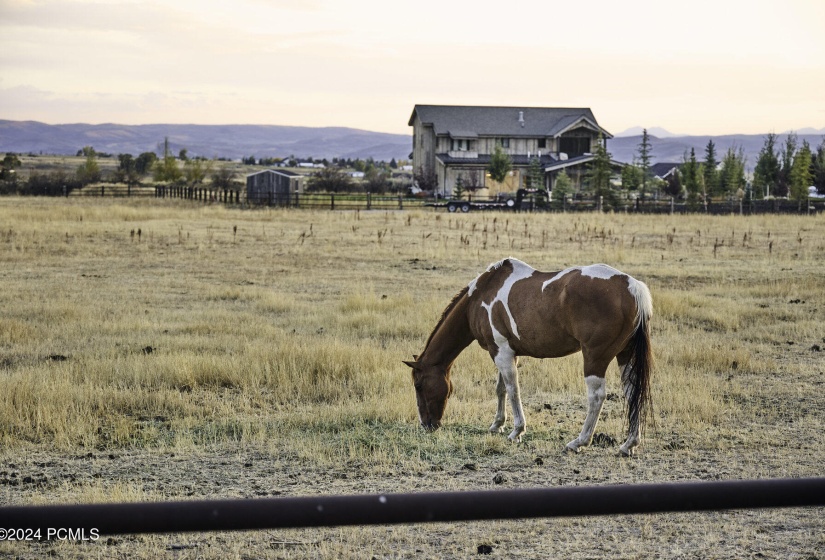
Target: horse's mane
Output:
[{"x": 445, "y": 314}]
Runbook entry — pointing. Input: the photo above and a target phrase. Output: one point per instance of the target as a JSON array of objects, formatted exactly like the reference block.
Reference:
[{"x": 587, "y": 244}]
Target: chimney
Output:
[{"x": 521, "y": 118}]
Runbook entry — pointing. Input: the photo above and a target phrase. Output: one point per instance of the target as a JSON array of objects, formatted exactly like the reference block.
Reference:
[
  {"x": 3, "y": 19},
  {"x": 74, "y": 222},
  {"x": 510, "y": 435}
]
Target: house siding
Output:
[{"x": 483, "y": 128}]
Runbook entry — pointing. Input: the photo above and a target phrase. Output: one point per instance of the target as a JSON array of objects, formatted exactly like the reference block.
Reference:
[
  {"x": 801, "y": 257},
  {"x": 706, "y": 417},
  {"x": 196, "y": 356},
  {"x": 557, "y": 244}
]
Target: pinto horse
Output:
[{"x": 514, "y": 310}]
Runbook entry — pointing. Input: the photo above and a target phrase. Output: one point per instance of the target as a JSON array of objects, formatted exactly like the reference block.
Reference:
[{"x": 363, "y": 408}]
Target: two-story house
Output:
[{"x": 457, "y": 141}]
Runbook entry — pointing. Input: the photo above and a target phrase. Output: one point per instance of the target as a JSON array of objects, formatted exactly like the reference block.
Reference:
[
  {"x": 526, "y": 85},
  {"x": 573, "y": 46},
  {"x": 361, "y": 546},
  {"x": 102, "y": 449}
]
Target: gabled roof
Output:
[
  {"x": 663, "y": 170},
  {"x": 276, "y": 171},
  {"x": 504, "y": 121}
]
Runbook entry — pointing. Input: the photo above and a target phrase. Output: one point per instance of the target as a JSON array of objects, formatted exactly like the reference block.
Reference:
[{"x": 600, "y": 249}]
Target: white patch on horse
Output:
[
  {"x": 601, "y": 271},
  {"x": 559, "y": 275},
  {"x": 520, "y": 272},
  {"x": 493, "y": 266}
]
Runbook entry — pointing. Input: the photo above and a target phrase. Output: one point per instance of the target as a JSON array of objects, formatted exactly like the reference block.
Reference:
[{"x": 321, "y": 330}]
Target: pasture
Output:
[{"x": 156, "y": 350}]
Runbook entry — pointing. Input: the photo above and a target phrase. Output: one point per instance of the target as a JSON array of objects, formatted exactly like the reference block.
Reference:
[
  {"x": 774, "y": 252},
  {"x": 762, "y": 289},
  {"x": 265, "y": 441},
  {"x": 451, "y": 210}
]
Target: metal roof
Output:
[{"x": 504, "y": 121}]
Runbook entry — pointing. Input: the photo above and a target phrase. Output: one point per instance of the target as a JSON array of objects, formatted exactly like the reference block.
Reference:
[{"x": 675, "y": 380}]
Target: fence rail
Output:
[
  {"x": 328, "y": 511},
  {"x": 368, "y": 201}
]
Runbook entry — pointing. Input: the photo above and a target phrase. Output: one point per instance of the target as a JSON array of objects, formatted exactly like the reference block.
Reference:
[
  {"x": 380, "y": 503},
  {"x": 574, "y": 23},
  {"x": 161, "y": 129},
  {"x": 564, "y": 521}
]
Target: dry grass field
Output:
[{"x": 156, "y": 351}]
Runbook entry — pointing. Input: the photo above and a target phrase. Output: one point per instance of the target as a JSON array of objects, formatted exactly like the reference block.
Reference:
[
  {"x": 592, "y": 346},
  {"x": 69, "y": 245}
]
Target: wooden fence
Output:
[{"x": 368, "y": 201}]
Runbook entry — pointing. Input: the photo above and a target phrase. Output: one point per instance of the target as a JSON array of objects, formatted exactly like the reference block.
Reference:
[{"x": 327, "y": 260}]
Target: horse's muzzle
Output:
[{"x": 431, "y": 426}]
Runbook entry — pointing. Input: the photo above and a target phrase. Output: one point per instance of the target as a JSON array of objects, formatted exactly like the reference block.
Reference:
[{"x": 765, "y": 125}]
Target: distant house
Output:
[
  {"x": 457, "y": 141},
  {"x": 272, "y": 186},
  {"x": 664, "y": 170}
]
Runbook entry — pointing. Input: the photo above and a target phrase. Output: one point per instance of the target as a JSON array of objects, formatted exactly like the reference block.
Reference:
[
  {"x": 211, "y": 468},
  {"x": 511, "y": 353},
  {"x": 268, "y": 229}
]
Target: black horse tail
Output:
[{"x": 639, "y": 368}]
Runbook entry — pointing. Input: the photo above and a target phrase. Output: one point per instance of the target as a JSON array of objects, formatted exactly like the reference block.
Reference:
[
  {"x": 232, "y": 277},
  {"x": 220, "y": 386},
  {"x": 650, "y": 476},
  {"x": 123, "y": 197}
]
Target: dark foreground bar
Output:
[{"x": 231, "y": 515}]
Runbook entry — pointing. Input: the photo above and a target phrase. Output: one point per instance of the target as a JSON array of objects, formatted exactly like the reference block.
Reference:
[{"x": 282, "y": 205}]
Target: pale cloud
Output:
[{"x": 717, "y": 66}]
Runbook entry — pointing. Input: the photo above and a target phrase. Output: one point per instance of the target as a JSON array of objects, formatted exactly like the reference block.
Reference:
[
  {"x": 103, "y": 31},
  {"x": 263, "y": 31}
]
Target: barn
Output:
[{"x": 272, "y": 186}]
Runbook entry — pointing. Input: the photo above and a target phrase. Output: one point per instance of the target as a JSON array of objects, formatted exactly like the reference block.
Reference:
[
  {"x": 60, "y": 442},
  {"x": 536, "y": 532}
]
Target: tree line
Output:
[
  {"x": 780, "y": 172},
  {"x": 131, "y": 170}
]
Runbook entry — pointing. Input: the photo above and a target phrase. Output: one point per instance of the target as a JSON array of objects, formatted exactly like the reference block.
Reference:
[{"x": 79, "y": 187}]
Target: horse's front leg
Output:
[
  {"x": 506, "y": 362},
  {"x": 501, "y": 411}
]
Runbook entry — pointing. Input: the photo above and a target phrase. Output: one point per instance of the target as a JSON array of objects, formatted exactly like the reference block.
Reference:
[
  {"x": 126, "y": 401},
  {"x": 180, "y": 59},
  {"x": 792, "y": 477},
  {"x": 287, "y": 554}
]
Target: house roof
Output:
[
  {"x": 662, "y": 170},
  {"x": 578, "y": 160},
  {"x": 277, "y": 171},
  {"x": 505, "y": 121},
  {"x": 484, "y": 159}
]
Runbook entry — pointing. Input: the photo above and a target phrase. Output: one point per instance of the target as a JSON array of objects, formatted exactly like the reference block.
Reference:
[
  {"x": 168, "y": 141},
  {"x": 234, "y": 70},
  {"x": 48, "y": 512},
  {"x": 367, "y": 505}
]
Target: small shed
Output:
[{"x": 272, "y": 186}]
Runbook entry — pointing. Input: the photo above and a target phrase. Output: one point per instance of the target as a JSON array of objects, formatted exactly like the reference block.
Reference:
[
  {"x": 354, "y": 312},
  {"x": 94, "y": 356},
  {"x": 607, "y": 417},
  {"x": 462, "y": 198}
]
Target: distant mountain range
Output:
[
  {"x": 673, "y": 148},
  {"x": 228, "y": 141},
  {"x": 237, "y": 141}
]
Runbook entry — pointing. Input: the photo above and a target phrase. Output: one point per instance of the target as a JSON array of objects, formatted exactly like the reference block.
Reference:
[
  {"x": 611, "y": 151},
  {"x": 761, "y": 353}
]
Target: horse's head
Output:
[{"x": 432, "y": 389}]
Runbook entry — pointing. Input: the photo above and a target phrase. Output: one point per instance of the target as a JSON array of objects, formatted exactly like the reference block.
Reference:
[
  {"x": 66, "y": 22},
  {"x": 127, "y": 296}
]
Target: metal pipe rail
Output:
[{"x": 326, "y": 511}]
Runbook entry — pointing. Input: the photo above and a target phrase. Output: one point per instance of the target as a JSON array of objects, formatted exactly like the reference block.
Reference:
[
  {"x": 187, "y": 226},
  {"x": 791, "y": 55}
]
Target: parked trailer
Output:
[
  {"x": 503, "y": 202},
  {"x": 467, "y": 205}
]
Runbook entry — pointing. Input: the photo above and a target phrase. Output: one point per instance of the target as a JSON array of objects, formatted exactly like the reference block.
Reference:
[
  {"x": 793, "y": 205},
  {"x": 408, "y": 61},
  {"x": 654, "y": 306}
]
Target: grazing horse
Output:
[{"x": 514, "y": 310}]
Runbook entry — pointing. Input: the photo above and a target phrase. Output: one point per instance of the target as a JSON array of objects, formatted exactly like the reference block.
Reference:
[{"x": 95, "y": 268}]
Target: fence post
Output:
[
  {"x": 102, "y": 190},
  {"x": 672, "y": 205},
  {"x": 400, "y": 202},
  {"x": 332, "y": 202},
  {"x": 369, "y": 201}
]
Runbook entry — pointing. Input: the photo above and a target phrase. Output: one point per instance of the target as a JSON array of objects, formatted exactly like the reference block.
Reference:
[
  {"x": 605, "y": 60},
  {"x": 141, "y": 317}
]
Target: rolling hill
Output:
[
  {"x": 229, "y": 141},
  {"x": 236, "y": 141}
]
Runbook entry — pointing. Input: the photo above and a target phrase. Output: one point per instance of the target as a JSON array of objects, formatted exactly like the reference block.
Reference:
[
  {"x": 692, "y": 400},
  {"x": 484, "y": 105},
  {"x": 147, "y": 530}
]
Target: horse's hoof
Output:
[
  {"x": 625, "y": 452},
  {"x": 515, "y": 436},
  {"x": 496, "y": 429},
  {"x": 570, "y": 449}
]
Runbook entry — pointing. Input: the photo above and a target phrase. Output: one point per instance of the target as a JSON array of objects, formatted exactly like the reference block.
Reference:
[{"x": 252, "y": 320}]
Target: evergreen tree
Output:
[
  {"x": 788, "y": 153},
  {"x": 711, "y": 174},
  {"x": 631, "y": 177},
  {"x": 690, "y": 179},
  {"x": 732, "y": 175},
  {"x": 458, "y": 190},
  {"x": 645, "y": 158},
  {"x": 766, "y": 172},
  {"x": 599, "y": 174},
  {"x": 562, "y": 186},
  {"x": 500, "y": 165},
  {"x": 535, "y": 174},
  {"x": 818, "y": 167},
  {"x": 801, "y": 176}
]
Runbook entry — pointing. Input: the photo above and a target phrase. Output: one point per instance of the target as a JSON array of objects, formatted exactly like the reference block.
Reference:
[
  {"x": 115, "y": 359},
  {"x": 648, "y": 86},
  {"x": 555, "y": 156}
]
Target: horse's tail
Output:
[{"x": 637, "y": 371}]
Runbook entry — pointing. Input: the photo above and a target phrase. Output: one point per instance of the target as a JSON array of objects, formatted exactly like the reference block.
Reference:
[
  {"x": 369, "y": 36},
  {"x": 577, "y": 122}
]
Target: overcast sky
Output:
[{"x": 698, "y": 67}]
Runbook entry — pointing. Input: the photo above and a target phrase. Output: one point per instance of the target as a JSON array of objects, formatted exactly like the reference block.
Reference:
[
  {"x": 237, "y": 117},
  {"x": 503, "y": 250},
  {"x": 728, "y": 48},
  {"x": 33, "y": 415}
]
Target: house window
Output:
[
  {"x": 459, "y": 144},
  {"x": 542, "y": 143},
  {"x": 503, "y": 142},
  {"x": 574, "y": 146}
]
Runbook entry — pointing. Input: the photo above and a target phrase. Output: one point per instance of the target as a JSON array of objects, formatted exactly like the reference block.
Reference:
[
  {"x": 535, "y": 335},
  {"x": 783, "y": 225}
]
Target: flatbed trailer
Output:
[{"x": 467, "y": 205}]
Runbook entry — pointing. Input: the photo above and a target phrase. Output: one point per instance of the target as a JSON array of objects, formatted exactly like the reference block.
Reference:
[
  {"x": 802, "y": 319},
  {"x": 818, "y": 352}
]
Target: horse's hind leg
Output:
[
  {"x": 501, "y": 411},
  {"x": 596, "y": 394}
]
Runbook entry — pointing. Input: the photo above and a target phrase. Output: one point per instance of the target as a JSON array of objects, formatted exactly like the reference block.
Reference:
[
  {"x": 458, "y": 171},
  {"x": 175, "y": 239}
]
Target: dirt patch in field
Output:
[{"x": 39, "y": 477}]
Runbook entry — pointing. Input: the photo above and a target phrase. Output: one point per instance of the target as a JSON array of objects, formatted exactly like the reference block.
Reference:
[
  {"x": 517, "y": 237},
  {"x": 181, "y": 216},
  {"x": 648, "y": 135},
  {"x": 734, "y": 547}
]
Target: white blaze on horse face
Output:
[{"x": 520, "y": 272}]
